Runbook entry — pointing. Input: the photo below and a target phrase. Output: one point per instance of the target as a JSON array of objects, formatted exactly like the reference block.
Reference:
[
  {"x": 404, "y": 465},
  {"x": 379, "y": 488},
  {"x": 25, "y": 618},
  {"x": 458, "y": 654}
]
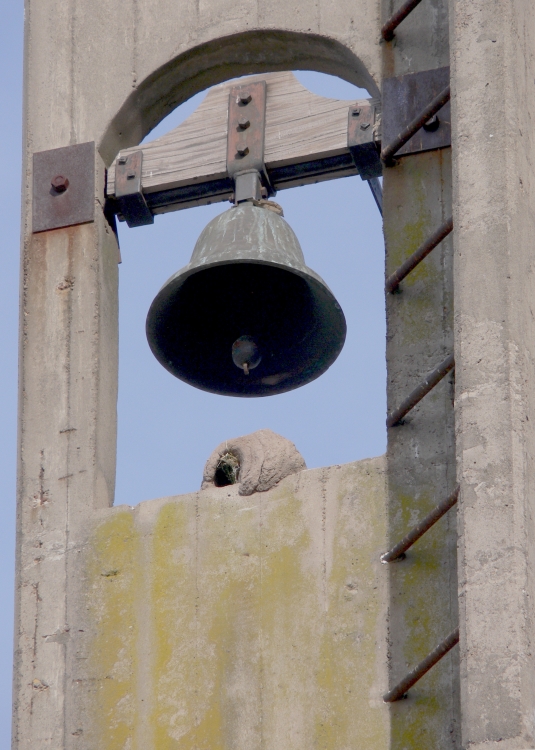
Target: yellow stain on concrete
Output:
[
  {"x": 112, "y": 583},
  {"x": 259, "y": 622},
  {"x": 417, "y": 721},
  {"x": 172, "y": 599},
  {"x": 352, "y": 646}
]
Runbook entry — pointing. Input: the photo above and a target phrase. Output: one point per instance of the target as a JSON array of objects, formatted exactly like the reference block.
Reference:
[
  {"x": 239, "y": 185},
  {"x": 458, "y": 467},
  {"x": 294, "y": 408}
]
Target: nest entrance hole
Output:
[{"x": 227, "y": 470}]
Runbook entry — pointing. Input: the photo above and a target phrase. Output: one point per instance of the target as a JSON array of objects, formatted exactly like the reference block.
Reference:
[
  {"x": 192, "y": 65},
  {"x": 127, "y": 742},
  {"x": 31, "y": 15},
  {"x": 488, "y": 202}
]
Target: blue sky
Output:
[{"x": 166, "y": 428}]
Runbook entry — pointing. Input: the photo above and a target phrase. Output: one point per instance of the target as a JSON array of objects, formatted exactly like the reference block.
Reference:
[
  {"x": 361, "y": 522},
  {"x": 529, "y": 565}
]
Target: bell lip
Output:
[{"x": 305, "y": 272}]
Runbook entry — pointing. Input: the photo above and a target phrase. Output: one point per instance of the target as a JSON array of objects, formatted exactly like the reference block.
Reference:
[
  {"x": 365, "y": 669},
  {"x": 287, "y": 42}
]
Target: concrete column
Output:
[
  {"x": 421, "y": 452},
  {"x": 493, "y": 77},
  {"x": 67, "y": 454}
]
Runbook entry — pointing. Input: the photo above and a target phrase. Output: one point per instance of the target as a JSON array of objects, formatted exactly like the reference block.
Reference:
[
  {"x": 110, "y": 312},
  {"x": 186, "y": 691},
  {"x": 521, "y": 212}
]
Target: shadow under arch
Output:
[{"x": 219, "y": 60}]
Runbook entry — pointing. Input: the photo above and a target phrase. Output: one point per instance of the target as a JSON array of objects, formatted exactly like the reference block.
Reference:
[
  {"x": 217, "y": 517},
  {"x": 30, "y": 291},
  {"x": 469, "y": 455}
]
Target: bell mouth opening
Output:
[{"x": 293, "y": 319}]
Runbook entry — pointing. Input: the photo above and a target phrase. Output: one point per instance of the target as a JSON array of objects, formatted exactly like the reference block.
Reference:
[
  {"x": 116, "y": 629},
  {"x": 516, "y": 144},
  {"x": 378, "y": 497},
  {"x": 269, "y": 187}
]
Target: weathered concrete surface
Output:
[
  {"x": 217, "y": 621},
  {"x": 493, "y": 108},
  {"x": 421, "y": 41},
  {"x": 146, "y": 58},
  {"x": 109, "y": 72},
  {"x": 421, "y": 452},
  {"x": 265, "y": 458}
]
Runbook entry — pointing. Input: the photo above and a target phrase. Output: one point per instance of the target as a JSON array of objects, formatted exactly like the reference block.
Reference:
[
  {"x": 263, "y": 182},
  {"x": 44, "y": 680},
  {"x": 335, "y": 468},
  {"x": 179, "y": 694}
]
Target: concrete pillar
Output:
[
  {"x": 421, "y": 452},
  {"x": 67, "y": 454},
  {"x": 493, "y": 109}
]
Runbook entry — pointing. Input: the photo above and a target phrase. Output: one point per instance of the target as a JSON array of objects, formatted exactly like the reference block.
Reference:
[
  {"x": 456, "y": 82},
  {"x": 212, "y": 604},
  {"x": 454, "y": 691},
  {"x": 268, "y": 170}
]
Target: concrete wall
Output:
[{"x": 215, "y": 620}]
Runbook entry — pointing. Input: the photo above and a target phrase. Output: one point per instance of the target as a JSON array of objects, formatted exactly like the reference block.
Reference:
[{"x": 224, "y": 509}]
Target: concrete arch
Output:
[{"x": 222, "y": 58}]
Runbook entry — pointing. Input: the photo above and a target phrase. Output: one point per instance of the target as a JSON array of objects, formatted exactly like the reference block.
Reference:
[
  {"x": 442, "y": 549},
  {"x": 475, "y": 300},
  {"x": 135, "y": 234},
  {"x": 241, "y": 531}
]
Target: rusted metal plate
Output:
[
  {"x": 63, "y": 187},
  {"x": 246, "y": 129},
  {"x": 128, "y": 190},
  {"x": 361, "y": 139},
  {"x": 404, "y": 98}
]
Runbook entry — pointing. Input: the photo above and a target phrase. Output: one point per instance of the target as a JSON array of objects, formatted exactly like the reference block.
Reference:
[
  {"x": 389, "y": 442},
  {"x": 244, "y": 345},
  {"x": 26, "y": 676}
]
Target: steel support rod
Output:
[
  {"x": 434, "y": 377},
  {"x": 387, "y": 32},
  {"x": 377, "y": 192},
  {"x": 398, "y": 552},
  {"x": 413, "y": 127},
  {"x": 423, "y": 251},
  {"x": 423, "y": 667}
]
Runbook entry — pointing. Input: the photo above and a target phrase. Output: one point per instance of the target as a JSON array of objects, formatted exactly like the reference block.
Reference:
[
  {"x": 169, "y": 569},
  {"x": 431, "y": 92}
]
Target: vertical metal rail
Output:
[{"x": 377, "y": 192}]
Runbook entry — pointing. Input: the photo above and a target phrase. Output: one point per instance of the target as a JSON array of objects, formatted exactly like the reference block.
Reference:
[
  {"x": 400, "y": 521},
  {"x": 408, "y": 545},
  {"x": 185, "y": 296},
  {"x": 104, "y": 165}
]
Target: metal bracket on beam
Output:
[
  {"x": 245, "y": 142},
  {"x": 63, "y": 187},
  {"x": 132, "y": 204},
  {"x": 410, "y": 124},
  {"x": 362, "y": 139}
]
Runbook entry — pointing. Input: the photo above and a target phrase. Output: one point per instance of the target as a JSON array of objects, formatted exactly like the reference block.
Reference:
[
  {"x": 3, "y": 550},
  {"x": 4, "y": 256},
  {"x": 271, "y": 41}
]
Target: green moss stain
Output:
[
  {"x": 203, "y": 620},
  {"x": 172, "y": 620},
  {"x": 423, "y": 719},
  {"x": 422, "y": 588},
  {"x": 112, "y": 583},
  {"x": 350, "y": 714},
  {"x": 290, "y": 627},
  {"x": 409, "y": 224}
]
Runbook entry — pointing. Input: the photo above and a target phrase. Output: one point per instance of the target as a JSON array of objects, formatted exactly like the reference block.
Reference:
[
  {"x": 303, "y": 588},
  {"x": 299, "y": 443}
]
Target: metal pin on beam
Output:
[
  {"x": 387, "y": 32},
  {"x": 434, "y": 377},
  {"x": 423, "y": 667},
  {"x": 413, "y": 127},
  {"x": 398, "y": 552},
  {"x": 394, "y": 280}
]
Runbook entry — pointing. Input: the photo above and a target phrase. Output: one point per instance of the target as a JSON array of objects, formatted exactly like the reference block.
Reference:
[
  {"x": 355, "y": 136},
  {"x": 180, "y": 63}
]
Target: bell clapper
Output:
[{"x": 245, "y": 354}]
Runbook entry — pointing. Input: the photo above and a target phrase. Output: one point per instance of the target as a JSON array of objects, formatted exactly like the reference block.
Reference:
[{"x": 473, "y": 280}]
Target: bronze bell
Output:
[{"x": 246, "y": 317}]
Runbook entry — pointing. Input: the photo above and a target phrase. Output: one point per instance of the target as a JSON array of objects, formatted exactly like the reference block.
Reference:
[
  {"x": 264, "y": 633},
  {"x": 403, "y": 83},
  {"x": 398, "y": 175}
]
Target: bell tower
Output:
[{"x": 387, "y": 602}]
